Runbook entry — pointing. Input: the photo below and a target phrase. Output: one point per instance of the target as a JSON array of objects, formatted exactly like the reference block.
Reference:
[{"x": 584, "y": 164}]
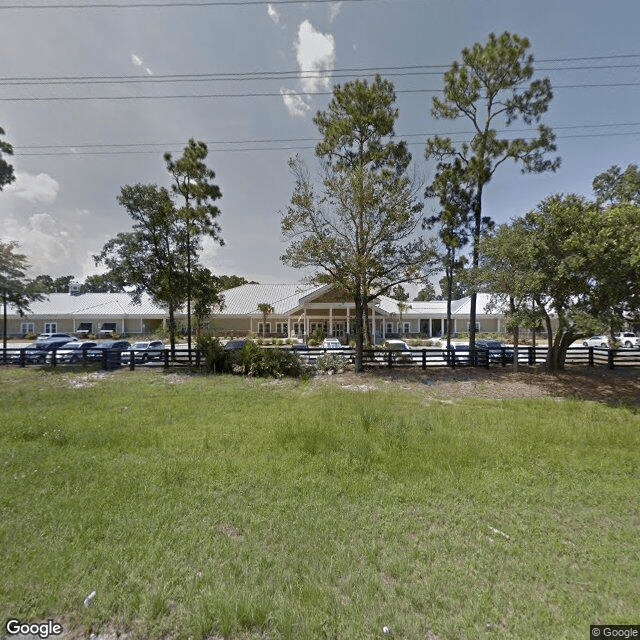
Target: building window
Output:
[
  {"x": 50, "y": 327},
  {"x": 407, "y": 327},
  {"x": 389, "y": 327},
  {"x": 477, "y": 326},
  {"x": 27, "y": 327},
  {"x": 260, "y": 327}
]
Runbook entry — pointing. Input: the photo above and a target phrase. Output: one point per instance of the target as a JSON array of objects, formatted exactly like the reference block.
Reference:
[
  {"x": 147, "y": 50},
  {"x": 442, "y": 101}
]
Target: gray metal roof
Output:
[
  {"x": 93, "y": 305},
  {"x": 244, "y": 300}
]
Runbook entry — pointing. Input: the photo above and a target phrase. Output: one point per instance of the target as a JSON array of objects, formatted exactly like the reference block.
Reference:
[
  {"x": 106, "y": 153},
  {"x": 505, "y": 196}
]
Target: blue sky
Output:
[{"x": 63, "y": 206}]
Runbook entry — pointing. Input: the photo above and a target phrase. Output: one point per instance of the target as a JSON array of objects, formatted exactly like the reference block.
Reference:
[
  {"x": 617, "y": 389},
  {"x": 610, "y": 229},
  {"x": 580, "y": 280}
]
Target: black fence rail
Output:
[{"x": 421, "y": 357}]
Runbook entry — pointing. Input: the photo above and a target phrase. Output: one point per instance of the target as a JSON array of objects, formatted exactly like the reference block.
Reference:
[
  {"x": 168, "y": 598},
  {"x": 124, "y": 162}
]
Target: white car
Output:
[
  {"x": 627, "y": 339},
  {"x": 401, "y": 351},
  {"x": 597, "y": 341}
]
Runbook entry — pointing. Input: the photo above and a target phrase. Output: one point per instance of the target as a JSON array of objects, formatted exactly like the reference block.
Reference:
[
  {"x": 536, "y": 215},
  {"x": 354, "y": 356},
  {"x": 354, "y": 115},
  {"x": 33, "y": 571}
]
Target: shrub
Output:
[
  {"x": 261, "y": 362},
  {"x": 216, "y": 358},
  {"x": 331, "y": 362}
]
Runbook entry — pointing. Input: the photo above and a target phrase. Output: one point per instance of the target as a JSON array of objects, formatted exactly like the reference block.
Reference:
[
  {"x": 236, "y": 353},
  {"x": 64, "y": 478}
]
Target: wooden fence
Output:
[{"x": 424, "y": 357}]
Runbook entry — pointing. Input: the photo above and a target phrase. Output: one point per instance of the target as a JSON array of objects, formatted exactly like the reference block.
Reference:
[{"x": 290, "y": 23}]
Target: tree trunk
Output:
[
  {"x": 172, "y": 331},
  {"x": 359, "y": 335}
]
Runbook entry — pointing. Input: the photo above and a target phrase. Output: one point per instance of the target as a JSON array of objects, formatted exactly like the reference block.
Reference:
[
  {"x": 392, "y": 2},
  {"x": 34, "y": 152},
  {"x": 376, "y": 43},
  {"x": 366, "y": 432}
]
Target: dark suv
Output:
[{"x": 37, "y": 352}]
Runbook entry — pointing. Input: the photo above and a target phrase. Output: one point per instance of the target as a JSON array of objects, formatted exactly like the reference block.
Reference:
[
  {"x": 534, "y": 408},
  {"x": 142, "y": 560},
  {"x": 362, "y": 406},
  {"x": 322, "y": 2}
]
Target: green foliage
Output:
[
  {"x": 427, "y": 293},
  {"x": 198, "y": 217},
  {"x": 6, "y": 170},
  {"x": 398, "y": 293},
  {"x": 569, "y": 258},
  {"x": 151, "y": 257},
  {"x": 617, "y": 187},
  {"x": 243, "y": 509},
  {"x": 268, "y": 362},
  {"x": 331, "y": 363},
  {"x": 216, "y": 358},
  {"x": 15, "y": 288},
  {"x": 365, "y": 192},
  {"x": 492, "y": 88}
]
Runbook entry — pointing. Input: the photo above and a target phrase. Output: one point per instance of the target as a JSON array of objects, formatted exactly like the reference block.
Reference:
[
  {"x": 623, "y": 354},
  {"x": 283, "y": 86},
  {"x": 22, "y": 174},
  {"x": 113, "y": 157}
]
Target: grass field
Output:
[{"x": 205, "y": 507}]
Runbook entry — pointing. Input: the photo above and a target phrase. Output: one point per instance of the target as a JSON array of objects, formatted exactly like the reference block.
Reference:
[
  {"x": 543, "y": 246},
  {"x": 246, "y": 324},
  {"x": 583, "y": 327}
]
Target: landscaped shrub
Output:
[
  {"x": 216, "y": 359},
  {"x": 331, "y": 363},
  {"x": 262, "y": 362}
]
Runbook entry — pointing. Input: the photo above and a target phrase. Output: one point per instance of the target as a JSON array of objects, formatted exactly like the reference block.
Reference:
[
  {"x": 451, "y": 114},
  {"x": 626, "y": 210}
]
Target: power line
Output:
[
  {"x": 164, "y": 5},
  {"x": 99, "y": 149},
  {"x": 278, "y": 74},
  {"x": 264, "y": 94}
]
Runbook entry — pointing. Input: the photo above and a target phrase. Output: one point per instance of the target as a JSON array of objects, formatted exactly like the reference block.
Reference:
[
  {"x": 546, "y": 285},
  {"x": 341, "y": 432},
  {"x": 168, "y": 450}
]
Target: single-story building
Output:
[
  {"x": 99, "y": 314},
  {"x": 300, "y": 310}
]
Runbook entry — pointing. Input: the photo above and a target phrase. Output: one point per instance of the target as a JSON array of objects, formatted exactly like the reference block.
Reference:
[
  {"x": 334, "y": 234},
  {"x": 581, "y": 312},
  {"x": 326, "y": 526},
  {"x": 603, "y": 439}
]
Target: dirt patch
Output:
[{"x": 617, "y": 386}]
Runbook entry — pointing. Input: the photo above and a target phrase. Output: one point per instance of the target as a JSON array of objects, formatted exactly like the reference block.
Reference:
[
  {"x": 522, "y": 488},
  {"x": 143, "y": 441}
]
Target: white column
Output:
[
  {"x": 373, "y": 324},
  {"x": 331, "y": 321},
  {"x": 306, "y": 323},
  {"x": 430, "y": 328}
]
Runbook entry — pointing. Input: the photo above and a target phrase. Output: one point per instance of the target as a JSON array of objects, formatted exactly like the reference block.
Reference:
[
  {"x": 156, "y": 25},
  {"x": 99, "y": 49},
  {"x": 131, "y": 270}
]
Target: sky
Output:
[{"x": 92, "y": 96}]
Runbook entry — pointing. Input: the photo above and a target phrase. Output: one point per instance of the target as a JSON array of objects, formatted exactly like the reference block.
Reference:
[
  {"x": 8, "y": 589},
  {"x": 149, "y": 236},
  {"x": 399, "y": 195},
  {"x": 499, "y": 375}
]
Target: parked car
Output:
[
  {"x": 74, "y": 352},
  {"x": 331, "y": 343},
  {"x": 597, "y": 341},
  {"x": 627, "y": 339},
  {"x": 113, "y": 345},
  {"x": 402, "y": 352},
  {"x": 37, "y": 352},
  {"x": 235, "y": 345},
  {"x": 496, "y": 349},
  {"x": 49, "y": 336},
  {"x": 459, "y": 354},
  {"x": 144, "y": 351}
]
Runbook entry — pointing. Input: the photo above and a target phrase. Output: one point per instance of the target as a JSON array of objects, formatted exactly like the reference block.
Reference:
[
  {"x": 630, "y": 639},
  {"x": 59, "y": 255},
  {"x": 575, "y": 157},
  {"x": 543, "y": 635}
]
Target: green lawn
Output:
[{"x": 223, "y": 506}]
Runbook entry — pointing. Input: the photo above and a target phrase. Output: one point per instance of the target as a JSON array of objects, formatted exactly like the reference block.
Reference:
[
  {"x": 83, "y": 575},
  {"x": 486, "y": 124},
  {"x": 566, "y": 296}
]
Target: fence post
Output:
[
  {"x": 424, "y": 358},
  {"x": 532, "y": 356},
  {"x": 132, "y": 359},
  {"x": 390, "y": 359},
  {"x": 591, "y": 356},
  {"x": 611, "y": 355},
  {"x": 23, "y": 358},
  {"x": 165, "y": 355}
]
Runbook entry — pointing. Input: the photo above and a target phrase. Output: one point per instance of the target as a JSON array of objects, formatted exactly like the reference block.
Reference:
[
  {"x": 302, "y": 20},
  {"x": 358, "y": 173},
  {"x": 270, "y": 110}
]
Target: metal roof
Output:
[
  {"x": 93, "y": 305},
  {"x": 244, "y": 300}
]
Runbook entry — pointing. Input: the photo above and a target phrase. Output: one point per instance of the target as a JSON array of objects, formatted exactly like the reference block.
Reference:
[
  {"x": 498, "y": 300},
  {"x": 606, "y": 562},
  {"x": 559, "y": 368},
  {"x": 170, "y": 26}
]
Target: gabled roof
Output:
[
  {"x": 244, "y": 300},
  {"x": 93, "y": 305}
]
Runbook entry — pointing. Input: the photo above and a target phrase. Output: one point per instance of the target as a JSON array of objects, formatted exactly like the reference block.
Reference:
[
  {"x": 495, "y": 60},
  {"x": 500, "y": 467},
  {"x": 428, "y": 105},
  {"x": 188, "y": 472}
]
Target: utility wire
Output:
[
  {"x": 265, "y": 94},
  {"x": 278, "y": 74},
  {"x": 73, "y": 152},
  {"x": 164, "y": 5},
  {"x": 291, "y": 75},
  {"x": 401, "y": 136}
]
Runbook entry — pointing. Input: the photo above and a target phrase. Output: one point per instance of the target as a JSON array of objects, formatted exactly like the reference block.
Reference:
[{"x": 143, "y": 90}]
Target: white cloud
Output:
[
  {"x": 139, "y": 62},
  {"x": 273, "y": 14},
  {"x": 34, "y": 188},
  {"x": 295, "y": 104},
  {"x": 334, "y": 10},
  {"x": 315, "y": 52},
  {"x": 48, "y": 244}
]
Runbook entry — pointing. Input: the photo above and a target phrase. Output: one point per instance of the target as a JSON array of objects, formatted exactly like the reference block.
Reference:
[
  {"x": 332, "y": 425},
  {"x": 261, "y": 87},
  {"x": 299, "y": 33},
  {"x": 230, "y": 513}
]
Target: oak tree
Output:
[{"x": 356, "y": 226}]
